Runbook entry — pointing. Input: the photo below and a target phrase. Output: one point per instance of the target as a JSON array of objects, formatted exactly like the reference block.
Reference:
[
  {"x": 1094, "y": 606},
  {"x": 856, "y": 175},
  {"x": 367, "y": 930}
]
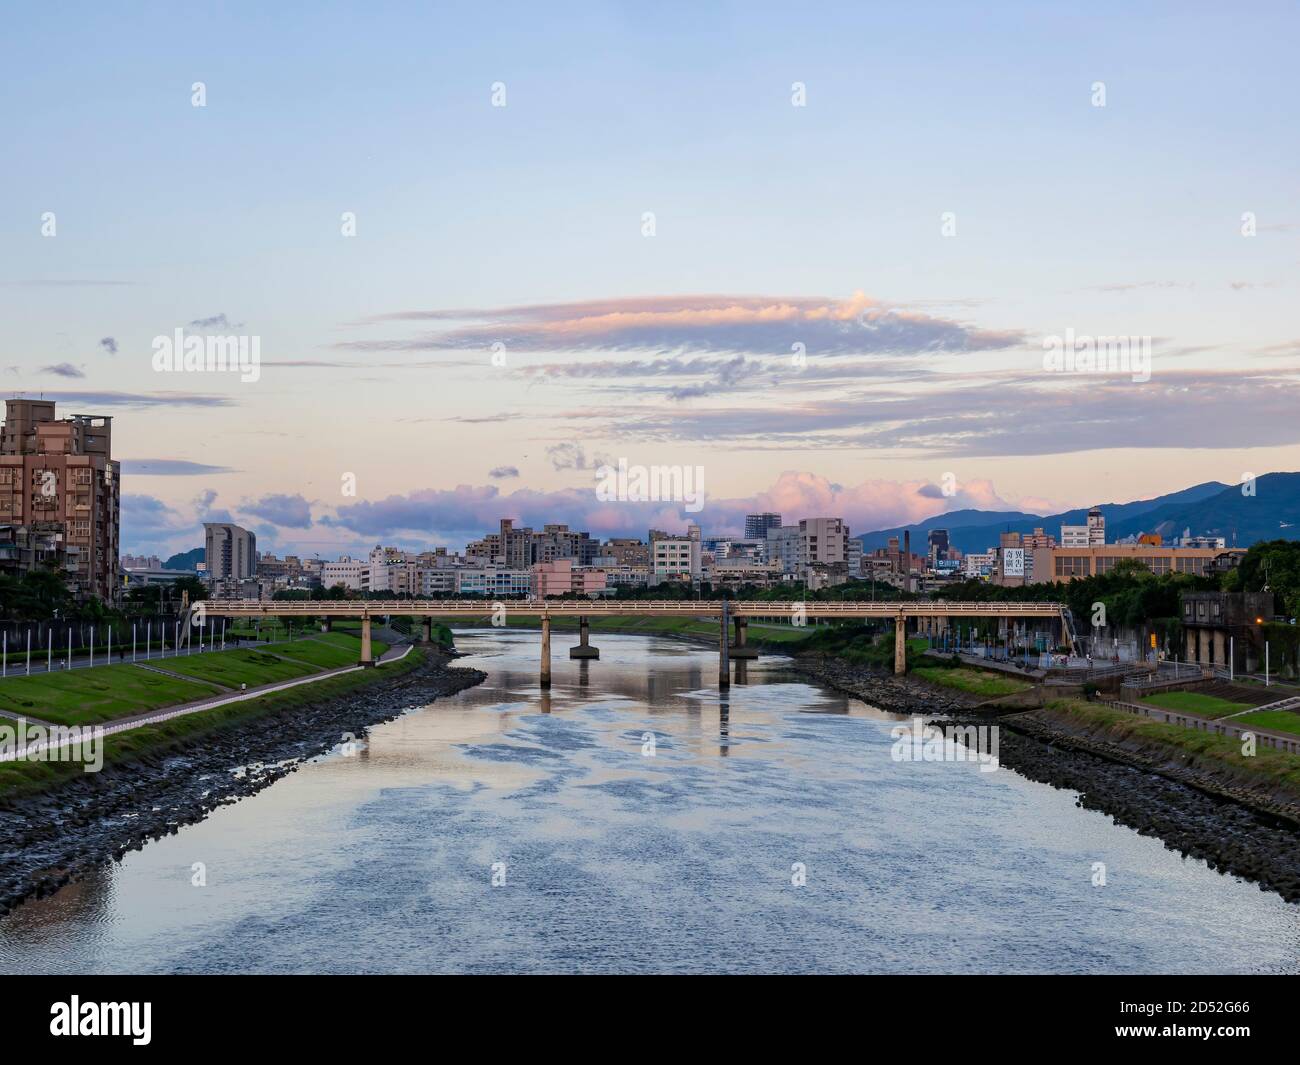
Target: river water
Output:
[{"x": 609, "y": 858}]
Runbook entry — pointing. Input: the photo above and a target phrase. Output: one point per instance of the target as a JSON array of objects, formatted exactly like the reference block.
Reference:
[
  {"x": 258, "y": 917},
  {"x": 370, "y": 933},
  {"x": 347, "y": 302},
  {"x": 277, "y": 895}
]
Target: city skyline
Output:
[{"x": 823, "y": 331}]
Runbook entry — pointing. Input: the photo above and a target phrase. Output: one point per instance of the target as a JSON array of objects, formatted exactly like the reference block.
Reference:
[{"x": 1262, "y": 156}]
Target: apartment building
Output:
[
  {"x": 495, "y": 581},
  {"x": 757, "y": 525},
  {"x": 625, "y": 551},
  {"x": 436, "y": 582},
  {"x": 60, "y": 498},
  {"x": 561, "y": 577},
  {"x": 676, "y": 557},
  {"x": 230, "y": 552},
  {"x": 823, "y": 540},
  {"x": 784, "y": 546}
]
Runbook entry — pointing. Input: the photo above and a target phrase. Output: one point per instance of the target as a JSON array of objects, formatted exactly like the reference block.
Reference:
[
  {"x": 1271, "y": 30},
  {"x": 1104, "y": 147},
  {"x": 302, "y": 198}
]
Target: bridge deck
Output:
[{"x": 597, "y": 608}]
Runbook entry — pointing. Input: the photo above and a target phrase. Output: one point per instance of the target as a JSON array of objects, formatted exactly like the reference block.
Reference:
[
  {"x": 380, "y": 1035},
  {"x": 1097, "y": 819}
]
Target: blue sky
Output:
[{"x": 1123, "y": 219}]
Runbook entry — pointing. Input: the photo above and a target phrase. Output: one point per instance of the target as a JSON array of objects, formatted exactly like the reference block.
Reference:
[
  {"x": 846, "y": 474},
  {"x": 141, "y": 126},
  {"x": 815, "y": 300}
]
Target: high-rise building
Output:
[
  {"x": 756, "y": 525},
  {"x": 823, "y": 540},
  {"x": 60, "y": 497},
  {"x": 229, "y": 551},
  {"x": 937, "y": 543},
  {"x": 783, "y": 546},
  {"x": 1096, "y": 528}
]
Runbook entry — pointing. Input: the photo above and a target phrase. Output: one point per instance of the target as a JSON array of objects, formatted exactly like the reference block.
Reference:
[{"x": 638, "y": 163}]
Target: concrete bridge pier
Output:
[
  {"x": 546, "y": 654},
  {"x": 900, "y": 644},
  {"x": 740, "y": 649},
  {"x": 584, "y": 648},
  {"x": 724, "y": 664},
  {"x": 426, "y": 630},
  {"x": 367, "y": 657}
]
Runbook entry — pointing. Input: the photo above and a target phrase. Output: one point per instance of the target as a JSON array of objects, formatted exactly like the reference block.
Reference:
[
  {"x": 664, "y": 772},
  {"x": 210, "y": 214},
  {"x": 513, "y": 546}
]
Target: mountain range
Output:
[{"x": 1272, "y": 512}]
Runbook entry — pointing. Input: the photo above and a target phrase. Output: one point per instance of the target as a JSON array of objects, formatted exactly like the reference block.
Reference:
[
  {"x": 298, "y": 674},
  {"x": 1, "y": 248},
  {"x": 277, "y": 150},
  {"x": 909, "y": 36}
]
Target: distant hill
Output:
[
  {"x": 976, "y": 530},
  {"x": 186, "y": 560},
  {"x": 1272, "y": 513}
]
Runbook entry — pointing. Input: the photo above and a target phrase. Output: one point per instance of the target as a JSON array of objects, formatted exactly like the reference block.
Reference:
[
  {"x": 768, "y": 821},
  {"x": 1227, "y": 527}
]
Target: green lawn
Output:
[
  {"x": 1279, "y": 720},
  {"x": 90, "y": 696},
  {"x": 974, "y": 681},
  {"x": 1280, "y": 767},
  {"x": 324, "y": 652},
  {"x": 19, "y": 777},
  {"x": 233, "y": 668},
  {"x": 1194, "y": 703},
  {"x": 349, "y": 640}
]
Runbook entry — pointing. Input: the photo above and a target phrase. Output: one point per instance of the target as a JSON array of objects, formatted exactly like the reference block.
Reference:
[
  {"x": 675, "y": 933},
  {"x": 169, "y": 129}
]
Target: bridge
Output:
[{"x": 927, "y": 616}]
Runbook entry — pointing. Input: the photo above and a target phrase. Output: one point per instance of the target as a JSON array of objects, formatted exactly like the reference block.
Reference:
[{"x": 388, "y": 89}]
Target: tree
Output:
[{"x": 1272, "y": 566}]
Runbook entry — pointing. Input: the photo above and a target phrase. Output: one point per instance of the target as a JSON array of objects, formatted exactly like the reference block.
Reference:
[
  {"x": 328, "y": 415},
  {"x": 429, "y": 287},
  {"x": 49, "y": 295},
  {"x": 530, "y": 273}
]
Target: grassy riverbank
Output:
[
  {"x": 1268, "y": 779},
  {"x": 17, "y": 778},
  {"x": 1192, "y": 702},
  {"x": 980, "y": 682},
  {"x": 105, "y": 693}
]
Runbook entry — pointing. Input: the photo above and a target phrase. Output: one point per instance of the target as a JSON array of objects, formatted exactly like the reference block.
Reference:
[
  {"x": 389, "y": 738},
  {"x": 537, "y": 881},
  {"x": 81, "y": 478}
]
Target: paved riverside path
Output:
[
  {"x": 16, "y": 664},
  {"x": 153, "y": 717}
]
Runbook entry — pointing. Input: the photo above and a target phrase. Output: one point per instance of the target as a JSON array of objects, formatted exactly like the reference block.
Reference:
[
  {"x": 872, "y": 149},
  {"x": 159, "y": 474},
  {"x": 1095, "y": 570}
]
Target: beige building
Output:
[
  {"x": 560, "y": 577},
  {"x": 823, "y": 540},
  {"x": 230, "y": 552},
  {"x": 59, "y": 497},
  {"x": 1068, "y": 563}
]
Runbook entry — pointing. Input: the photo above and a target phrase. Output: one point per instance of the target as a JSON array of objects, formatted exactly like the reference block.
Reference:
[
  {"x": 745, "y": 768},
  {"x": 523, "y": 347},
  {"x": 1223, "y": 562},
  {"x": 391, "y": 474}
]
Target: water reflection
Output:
[{"x": 623, "y": 855}]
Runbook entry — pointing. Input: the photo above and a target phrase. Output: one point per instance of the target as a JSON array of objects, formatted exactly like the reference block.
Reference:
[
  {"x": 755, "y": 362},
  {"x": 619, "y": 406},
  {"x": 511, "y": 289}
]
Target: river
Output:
[{"x": 630, "y": 821}]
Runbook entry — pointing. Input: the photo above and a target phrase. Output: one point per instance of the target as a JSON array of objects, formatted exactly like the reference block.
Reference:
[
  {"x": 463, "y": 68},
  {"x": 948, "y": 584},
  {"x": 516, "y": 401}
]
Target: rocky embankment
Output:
[
  {"x": 1237, "y": 824},
  {"x": 898, "y": 695},
  {"x": 49, "y": 839}
]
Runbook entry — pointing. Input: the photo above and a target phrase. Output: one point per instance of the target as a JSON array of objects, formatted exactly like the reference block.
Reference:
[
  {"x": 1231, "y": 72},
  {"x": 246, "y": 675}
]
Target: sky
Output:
[{"x": 819, "y": 253}]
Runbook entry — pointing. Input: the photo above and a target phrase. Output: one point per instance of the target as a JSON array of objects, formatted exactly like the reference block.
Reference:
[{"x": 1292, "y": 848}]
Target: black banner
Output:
[{"x": 164, "y": 1013}]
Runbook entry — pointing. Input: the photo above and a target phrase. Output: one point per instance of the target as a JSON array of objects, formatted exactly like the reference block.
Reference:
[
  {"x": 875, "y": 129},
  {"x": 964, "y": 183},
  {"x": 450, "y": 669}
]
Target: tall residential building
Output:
[
  {"x": 756, "y": 525},
  {"x": 229, "y": 551},
  {"x": 59, "y": 497},
  {"x": 1096, "y": 528},
  {"x": 783, "y": 547},
  {"x": 823, "y": 540}
]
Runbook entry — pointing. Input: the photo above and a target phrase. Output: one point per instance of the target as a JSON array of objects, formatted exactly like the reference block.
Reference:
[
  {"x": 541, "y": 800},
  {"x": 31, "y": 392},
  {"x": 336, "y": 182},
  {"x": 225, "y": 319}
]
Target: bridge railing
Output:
[{"x": 738, "y": 608}]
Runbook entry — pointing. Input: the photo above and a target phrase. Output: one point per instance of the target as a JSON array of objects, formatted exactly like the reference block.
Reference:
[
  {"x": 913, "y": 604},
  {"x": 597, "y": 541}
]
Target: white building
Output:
[
  {"x": 346, "y": 571},
  {"x": 678, "y": 557},
  {"x": 494, "y": 581}
]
